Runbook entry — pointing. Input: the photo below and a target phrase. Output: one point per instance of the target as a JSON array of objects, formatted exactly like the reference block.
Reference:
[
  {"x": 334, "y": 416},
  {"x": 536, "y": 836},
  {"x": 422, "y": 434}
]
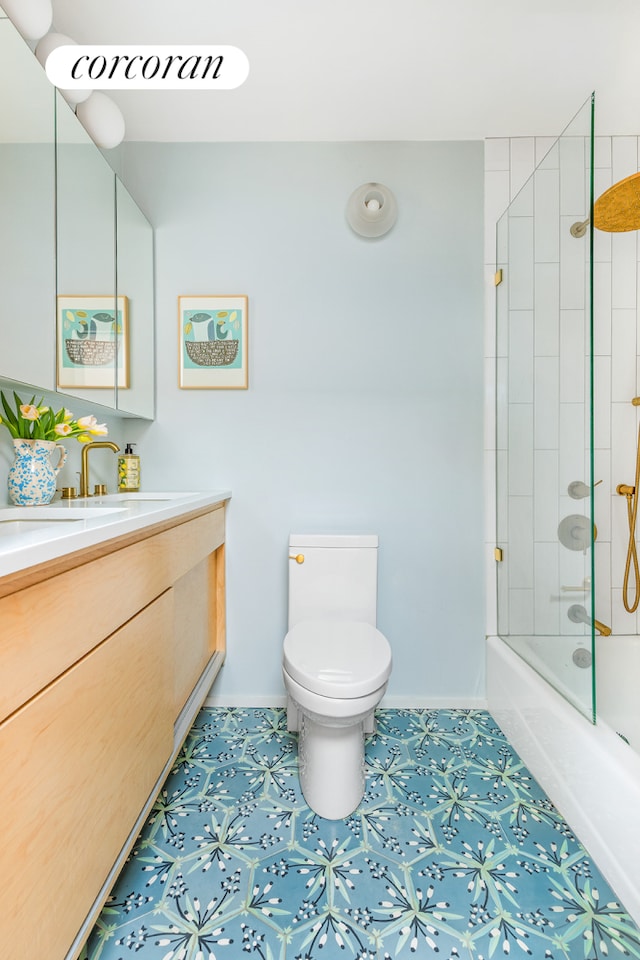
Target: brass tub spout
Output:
[{"x": 578, "y": 614}]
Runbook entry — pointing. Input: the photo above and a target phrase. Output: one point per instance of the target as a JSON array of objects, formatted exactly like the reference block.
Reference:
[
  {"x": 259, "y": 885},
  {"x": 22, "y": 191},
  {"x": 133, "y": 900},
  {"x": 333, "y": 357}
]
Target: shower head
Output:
[{"x": 617, "y": 210}]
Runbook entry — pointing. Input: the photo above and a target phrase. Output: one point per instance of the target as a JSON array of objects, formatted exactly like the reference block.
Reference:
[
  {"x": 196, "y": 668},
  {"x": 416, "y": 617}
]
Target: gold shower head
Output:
[{"x": 617, "y": 210}]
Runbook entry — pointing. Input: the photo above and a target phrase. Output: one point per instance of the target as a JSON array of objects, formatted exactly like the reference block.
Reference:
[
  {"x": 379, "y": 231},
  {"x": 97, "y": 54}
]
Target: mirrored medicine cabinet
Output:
[{"x": 76, "y": 252}]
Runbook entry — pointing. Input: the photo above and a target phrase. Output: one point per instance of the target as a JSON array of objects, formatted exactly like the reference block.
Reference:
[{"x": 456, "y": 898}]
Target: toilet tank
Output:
[{"x": 337, "y": 580}]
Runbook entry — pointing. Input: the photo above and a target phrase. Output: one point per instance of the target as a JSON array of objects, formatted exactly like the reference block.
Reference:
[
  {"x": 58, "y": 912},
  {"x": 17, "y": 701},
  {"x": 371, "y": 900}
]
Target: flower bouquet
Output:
[
  {"x": 34, "y": 421},
  {"x": 36, "y": 431}
]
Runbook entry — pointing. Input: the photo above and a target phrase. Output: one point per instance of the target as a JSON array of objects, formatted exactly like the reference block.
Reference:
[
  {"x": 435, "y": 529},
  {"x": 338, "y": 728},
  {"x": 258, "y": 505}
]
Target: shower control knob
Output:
[
  {"x": 576, "y": 532},
  {"x": 298, "y": 557}
]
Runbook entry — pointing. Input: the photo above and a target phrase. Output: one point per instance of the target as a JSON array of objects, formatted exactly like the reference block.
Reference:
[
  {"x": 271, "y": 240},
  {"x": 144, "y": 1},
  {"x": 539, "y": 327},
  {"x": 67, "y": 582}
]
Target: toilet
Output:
[{"x": 335, "y": 665}]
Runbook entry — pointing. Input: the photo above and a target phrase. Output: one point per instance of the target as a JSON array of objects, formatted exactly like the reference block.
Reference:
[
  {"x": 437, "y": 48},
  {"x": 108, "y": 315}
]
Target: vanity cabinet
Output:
[{"x": 106, "y": 656}]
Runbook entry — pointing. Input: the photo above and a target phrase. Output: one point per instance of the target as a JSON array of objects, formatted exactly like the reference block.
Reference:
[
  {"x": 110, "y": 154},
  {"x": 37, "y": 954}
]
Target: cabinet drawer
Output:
[
  {"x": 46, "y": 627},
  {"x": 195, "y": 631},
  {"x": 79, "y": 762}
]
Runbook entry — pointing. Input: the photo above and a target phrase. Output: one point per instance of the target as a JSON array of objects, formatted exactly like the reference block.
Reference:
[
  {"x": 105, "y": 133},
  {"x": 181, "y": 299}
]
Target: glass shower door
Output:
[{"x": 544, "y": 440}]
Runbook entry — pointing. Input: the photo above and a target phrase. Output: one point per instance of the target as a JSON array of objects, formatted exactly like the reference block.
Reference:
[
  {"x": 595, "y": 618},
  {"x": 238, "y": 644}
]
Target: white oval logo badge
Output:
[{"x": 147, "y": 67}]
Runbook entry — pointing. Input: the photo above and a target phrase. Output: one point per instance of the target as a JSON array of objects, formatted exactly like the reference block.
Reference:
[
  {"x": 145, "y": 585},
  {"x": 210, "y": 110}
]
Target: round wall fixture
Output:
[
  {"x": 31, "y": 18},
  {"x": 102, "y": 120},
  {"x": 371, "y": 210},
  {"x": 575, "y": 532}
]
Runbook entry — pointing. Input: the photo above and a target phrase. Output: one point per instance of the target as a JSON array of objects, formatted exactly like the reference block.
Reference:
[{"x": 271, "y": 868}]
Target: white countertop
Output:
[{"x": 34, "y": 535}]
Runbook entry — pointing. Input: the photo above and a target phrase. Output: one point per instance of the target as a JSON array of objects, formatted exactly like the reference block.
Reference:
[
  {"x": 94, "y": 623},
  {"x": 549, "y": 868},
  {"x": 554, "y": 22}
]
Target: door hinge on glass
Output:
[
  {"x": 498, "y": 554},
  {"x": 497, "y": 277}
]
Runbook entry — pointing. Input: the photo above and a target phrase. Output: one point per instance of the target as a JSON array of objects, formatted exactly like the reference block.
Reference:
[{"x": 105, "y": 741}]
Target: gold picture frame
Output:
[
  {"x": 213, "y": 342},
  {"x": 92, "y": 342}
]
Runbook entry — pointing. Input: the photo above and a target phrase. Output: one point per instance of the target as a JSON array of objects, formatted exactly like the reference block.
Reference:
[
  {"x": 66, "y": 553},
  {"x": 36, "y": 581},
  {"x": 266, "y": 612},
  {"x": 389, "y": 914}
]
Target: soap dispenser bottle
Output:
[{"x": 129, "y": 470}]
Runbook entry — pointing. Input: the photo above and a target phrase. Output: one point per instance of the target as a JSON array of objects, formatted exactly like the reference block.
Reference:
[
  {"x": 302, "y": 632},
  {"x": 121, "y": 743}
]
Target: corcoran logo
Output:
[{"x": 130, "y": 67}]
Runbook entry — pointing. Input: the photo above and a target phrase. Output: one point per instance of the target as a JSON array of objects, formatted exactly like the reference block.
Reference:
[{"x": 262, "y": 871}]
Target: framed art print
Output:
[
  {"x": 213, "y": 343},
  {"x": 92, "y": 341}
]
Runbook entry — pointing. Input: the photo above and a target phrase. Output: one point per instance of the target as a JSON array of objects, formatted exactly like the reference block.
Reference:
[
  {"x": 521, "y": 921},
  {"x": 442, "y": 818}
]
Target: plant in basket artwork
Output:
[
  {"x": 92, "y": 342},
  {"x": 213, "y": 342}
]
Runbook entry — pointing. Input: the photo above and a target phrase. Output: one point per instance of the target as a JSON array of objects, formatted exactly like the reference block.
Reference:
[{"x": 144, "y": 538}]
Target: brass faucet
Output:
[
  {"x": 602, "y": 628},
  {"x": 84, "y": 475}
]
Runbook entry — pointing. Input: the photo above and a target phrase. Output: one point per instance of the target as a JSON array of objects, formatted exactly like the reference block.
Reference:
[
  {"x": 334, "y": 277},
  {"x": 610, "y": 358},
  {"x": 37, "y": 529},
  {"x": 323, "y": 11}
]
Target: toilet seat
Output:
[{"x": 337, "y": 658}]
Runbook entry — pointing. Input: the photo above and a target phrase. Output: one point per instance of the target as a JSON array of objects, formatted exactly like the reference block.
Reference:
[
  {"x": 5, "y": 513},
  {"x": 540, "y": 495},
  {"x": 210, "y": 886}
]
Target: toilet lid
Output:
[{"x": 342, "y": 659}]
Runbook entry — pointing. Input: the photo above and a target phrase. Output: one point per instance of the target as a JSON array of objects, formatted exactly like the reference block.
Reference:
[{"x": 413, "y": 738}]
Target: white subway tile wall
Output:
[{"x": 545, "y": 384}]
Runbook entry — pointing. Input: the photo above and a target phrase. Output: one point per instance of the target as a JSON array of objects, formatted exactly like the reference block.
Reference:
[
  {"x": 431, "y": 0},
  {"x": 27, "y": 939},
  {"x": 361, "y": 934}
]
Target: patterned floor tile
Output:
[{"x": 454, "y": 852}]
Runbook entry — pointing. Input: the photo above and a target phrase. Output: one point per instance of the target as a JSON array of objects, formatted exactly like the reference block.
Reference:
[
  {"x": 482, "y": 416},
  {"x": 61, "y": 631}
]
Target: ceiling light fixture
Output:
[
  {"x": 31, "y": 18},
  {"x": 102, "y": 120},
  {"x": 371, "y": 210},
  {"x": 47, "y": 45},
  {"x": 98, "y": 114}
]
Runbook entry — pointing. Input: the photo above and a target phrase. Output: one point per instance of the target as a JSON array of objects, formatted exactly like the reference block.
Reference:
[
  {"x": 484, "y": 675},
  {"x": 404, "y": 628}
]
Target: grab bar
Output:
[{"x": 585, "y": 588}]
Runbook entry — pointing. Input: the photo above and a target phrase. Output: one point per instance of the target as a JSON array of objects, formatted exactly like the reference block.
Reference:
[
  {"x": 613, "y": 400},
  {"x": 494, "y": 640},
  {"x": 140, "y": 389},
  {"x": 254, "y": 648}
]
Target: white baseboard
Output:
[
  {"x": 434, "y": 703},
  {"x": 390, "y": 702},
  {"x": 241, "y": 700}
]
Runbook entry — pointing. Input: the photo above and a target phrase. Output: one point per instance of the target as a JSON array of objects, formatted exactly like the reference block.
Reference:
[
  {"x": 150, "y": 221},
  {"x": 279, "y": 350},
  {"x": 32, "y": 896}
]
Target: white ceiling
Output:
[{"x": 381, "y": 69}]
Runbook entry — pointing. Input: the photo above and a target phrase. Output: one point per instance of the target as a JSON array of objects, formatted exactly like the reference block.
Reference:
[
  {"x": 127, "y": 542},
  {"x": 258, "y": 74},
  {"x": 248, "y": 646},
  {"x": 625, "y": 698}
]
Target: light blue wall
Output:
[{"x": 365, "y": 400}]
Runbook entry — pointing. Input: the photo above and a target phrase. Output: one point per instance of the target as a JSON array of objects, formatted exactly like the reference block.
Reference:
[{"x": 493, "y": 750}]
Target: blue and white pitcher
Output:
[{"x": 32, "y": 476}]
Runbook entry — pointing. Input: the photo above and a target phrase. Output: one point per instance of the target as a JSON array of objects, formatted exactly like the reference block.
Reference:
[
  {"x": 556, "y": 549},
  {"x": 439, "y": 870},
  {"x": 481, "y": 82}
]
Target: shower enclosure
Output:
[
  {"x": 564, "y": 670},
  {"x": 567, "y": 366},
  {"x": 545, "y": 478}
]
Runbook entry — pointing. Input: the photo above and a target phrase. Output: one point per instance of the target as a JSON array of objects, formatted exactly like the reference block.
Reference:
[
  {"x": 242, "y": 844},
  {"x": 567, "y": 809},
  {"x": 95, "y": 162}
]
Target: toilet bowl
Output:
[
  {"x": 335, "y": 667},
  {"x": 334, "y": 708}
]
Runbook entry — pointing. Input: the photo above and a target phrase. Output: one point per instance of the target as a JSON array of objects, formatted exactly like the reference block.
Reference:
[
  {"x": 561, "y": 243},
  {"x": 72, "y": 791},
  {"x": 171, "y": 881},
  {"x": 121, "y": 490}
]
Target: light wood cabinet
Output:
[{"x": 103, "y": 668}]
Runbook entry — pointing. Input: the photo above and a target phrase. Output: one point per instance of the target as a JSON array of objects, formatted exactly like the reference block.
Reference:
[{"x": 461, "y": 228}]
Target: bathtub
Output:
[
  {"x": 617, "y": 673},
  {"x": 589, "y": 771}
]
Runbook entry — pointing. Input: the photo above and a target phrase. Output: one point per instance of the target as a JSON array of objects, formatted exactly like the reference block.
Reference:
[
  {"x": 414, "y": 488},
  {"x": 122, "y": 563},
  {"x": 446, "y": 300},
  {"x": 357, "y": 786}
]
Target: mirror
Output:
[
  {"x": 134, "y": 287},
  {"x": 69, "y": 239},
  {"x": 90, "y": 339},
  {"x": 27, "y": 224}
]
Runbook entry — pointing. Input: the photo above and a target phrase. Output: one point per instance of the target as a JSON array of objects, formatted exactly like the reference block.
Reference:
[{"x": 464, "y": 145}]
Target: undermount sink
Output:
[
  {"x": 63, "y": 518},
  {"x": 133, "y": 498},
  {"x": 59, "y": 514},
  {"x": 20, "y": 520},
  {"x": 34, "y": 535},
  {"x": 13, "y": 528},
  {"x": 143, "y": 497}
]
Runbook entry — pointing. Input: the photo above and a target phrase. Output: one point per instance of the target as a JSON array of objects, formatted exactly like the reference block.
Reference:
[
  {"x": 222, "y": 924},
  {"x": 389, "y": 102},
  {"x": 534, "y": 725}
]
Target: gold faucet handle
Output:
[{"x": 298, "y": 557}]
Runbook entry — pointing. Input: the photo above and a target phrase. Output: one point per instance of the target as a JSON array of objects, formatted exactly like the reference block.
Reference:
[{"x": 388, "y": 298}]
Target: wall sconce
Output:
[
  {"x": 371, "y": 210},
  {"x": 31, "y": 18}
]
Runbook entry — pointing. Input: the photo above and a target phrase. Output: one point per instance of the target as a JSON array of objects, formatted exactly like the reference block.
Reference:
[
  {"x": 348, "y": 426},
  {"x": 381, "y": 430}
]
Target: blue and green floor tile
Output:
[{"x": 454, "y": 852}]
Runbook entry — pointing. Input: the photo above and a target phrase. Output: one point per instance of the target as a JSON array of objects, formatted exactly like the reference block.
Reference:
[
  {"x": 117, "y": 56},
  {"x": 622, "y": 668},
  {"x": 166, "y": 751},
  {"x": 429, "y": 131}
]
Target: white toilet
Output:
[{"x": 335, "y": 665}]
